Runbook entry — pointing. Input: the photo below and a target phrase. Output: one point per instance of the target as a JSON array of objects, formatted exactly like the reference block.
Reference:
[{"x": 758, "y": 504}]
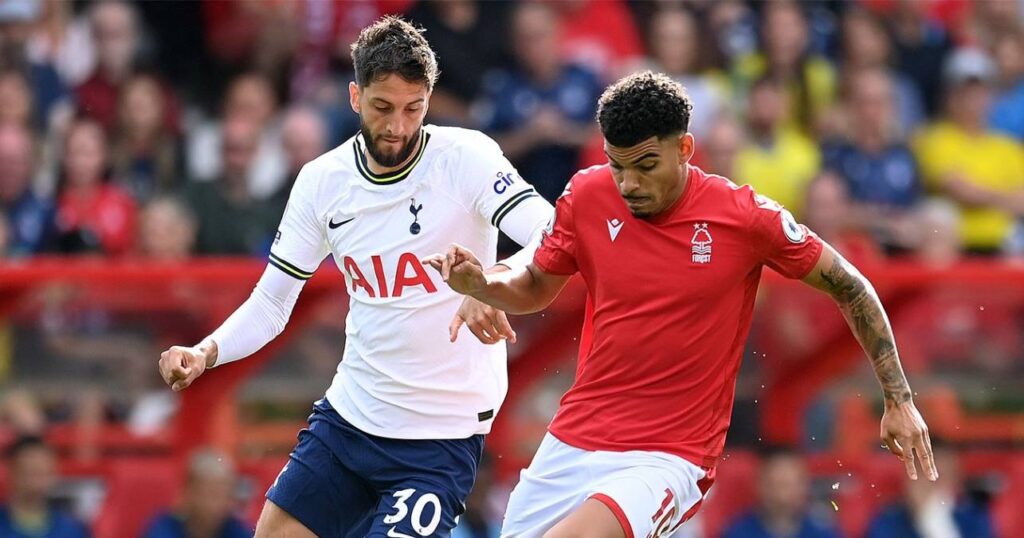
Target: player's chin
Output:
[{"x": 640, "y": 209}]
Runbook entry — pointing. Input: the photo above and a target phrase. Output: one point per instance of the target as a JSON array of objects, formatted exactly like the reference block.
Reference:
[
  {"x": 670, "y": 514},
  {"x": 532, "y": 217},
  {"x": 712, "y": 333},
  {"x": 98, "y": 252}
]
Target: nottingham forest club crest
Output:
[{"x": 701, "y": 242}]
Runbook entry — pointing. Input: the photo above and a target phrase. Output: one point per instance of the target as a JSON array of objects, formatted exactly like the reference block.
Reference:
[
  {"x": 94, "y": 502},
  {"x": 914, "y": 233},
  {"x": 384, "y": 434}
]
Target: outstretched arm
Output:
[
  {"x": 903, "y": 429},
  {"x": 522, "y": 290}
]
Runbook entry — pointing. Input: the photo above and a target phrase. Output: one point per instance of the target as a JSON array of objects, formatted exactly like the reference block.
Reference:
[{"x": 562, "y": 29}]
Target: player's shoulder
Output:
[
  {"x": 723, "y": 191},
  {"x": 591, "y": 180},
  {"x": 337, "y": 163},
  {"x": 458, "y": 140}
]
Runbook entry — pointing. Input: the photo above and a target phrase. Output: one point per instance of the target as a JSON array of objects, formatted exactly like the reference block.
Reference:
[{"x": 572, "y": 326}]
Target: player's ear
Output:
[
  {"x": 353, "y": 96},
  {"x": 686, "y": 148}
]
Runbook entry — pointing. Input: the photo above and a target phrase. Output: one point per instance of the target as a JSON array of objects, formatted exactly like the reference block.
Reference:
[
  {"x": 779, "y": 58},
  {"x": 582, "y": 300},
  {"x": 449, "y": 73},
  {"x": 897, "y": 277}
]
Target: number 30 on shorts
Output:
[{"x": 416, "y": 516}]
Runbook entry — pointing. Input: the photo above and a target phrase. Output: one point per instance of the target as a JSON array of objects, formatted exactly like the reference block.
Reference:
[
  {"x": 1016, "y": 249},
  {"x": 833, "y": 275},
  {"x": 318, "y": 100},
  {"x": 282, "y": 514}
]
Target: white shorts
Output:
[{"x": 650, "y": 493}]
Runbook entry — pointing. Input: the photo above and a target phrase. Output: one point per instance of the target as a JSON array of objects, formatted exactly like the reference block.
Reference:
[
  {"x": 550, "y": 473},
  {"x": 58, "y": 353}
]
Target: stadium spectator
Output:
[
  {"x": 875, "y": 162},
  {"x": 960, "y": 156},
  {"x": 15, "y": 99},
  {"x": 93, "y": 214},
  {"x": 29, "y": 218},
  {"x": 304, "y": 138},
  {"x": 776, "y": 160},
  {"x": 934, "y": 508},
  {"x": 866, "y": 45},
  {"x": 469, "y": 38},
  {"x": 600, "y": 35},
  {"x": 541, "y": 112},
  {"x": 1007, "y": 113},
  {"x": 5, "y": 236},
  {"x": 921, "y": 46},
  {"x": 732, "y": 27},
  {"x": 677, "y": 51},
  {"x": 167, "y": 230},
  {"x": 783, "y": 497},
  {"x": 231, "y": 219},
  {"x": 808, "y": 80},
  {"x": 21, "y": 413},
  {"x": 938, "y": 238},
  {"x": 115, "y": 29},
  {"x": 831, "y": 212},
  {"x": 17, "y": 20},
  {"x": 986, "y": 20},
  {"x": 721, "y": 146},
  {"x": 251, "y": 98},
  {"x": 146, "y": 154},
  {"x": 207, "y": 503},
  {"x": 32, "y": 469}
]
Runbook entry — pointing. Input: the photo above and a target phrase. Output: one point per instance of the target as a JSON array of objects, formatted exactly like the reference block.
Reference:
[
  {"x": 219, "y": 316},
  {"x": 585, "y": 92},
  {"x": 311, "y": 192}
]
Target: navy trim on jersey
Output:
[
  {"x": 391, "y": 177},
  {"x": 511, "y": 204},
  {"x": 289, "y": 269}
]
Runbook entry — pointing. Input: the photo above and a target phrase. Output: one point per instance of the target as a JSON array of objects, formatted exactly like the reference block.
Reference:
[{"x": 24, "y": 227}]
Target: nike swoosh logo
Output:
[
  {"x": 332, "y": 225},
  {"x": 392, "y": 533}
]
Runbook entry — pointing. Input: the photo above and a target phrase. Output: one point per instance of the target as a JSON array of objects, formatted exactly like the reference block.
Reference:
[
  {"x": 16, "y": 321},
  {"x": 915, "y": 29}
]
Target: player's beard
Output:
[{"x": 387, "y": 160}]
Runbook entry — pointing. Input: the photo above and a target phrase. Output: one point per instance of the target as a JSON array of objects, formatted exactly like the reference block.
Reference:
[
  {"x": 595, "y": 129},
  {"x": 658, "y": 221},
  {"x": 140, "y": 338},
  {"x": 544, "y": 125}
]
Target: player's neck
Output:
[{"x": 378, "y": 169}]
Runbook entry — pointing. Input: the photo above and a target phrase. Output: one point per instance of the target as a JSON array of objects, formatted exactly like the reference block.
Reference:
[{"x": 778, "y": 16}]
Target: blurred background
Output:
[{"x": 146, "y": 154}]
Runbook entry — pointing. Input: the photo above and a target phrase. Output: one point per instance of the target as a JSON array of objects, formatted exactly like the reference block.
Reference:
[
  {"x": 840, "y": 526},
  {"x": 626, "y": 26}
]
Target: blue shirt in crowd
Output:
[
  {"x": 888, "y": 178},
  {"x": 30, "y": 219},
  {"x": 1007, "y": 113},
  {"x": 751, "y": 526},
  {"x": 172, "y": 526},
  {"x": 896, "y": 522},
  {"x": 511, "y": 100},
  {"x": 59, "y": 525}
]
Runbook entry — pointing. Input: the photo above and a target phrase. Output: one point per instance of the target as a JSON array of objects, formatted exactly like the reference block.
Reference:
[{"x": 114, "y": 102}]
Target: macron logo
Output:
[{"x": 614, "y": 227}]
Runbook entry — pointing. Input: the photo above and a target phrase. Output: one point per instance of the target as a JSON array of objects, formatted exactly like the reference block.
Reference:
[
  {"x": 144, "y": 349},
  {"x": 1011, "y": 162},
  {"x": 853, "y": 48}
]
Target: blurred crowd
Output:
[{"x": 164, "y": 130}]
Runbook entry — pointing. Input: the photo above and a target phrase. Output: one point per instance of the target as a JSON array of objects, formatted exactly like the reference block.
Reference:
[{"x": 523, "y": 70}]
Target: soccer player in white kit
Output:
[{"x": 392, "y": 449}]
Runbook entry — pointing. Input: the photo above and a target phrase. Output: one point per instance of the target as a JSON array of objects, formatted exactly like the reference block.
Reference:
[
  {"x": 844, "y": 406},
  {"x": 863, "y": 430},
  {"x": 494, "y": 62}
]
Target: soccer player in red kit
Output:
[{"x": 672, "y": 257}]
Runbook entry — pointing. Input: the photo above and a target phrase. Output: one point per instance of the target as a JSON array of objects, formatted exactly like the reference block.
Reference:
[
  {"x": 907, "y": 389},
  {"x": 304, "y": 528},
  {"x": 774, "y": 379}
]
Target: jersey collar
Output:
[{"x": 395, "y": 176}]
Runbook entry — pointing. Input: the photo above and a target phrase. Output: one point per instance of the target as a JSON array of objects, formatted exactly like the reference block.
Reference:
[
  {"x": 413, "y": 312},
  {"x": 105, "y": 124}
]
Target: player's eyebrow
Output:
[
  {"x": 637, "y": 160},
  {"x": 383, "y": 101}
]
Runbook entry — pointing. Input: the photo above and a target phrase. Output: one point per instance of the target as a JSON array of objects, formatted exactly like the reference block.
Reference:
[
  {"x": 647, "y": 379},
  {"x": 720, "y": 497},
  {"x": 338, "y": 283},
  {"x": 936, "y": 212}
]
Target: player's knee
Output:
[{"x": 274, "y": 522}]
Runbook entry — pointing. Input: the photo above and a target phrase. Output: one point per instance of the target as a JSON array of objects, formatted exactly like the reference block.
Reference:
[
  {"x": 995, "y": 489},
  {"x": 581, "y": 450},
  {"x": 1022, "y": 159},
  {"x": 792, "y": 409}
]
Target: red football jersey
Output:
[{"x": 671, "y": 302}]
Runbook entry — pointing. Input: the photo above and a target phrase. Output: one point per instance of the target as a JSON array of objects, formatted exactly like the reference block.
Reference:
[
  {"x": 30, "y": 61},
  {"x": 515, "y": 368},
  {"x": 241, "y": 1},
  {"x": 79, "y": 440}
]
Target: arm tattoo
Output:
[{"x": 863, "y": 311}]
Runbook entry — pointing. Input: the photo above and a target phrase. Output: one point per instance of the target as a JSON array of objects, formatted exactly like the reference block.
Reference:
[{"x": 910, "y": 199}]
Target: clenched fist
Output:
[{"x": 180, "y": 366}]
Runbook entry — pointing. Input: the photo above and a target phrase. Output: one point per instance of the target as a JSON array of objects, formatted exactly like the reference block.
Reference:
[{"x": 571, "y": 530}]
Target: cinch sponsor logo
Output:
[
  {"x": 408, "y": 273},
  {"x": 505, "y": 180}
]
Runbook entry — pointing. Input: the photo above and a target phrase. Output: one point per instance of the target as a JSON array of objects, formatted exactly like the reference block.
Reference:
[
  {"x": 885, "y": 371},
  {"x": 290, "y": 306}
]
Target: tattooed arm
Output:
[{"x": 903, "y": 429}]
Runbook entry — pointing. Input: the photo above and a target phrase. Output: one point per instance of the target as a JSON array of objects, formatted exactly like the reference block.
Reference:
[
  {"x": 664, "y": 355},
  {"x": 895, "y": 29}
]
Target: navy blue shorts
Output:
[{"x": 342, "y": 482}]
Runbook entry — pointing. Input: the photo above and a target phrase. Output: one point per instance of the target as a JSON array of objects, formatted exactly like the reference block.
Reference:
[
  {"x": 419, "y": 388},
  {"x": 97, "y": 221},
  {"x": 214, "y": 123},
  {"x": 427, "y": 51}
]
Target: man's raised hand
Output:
[{"x": 460, "y": 269}]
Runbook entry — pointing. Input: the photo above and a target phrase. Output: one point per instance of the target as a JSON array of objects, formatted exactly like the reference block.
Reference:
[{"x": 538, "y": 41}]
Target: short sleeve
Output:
[
  {"x": 783, "y": 244},
  {"x": 300, "y": 244},
  {"x": 557, "y": 251},
  {"x": 495, "y": 186}
]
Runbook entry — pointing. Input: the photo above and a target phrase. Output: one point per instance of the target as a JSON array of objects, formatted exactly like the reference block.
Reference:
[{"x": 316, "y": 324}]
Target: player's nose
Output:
[{"x": 630, "y": 182}]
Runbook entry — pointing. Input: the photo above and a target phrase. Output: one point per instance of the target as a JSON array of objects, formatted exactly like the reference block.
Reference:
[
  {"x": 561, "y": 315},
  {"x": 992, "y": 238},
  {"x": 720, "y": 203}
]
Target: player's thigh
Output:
[
  {"x": 316, "y": 489},
  {"x": 276, "y": 523},
  {"x": 555, "y": 484},
  {"x": 593, "y": 519},
  {"x": 416, "y": 509},
  {"x": 652, "y": 499}
]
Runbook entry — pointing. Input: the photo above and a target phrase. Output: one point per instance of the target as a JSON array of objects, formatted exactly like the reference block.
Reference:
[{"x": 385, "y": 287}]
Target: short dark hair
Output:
[
  {"x": 643, "y": 105},
  {"x": 23, "y": 444},
  {"x": 392, "y": 45}
]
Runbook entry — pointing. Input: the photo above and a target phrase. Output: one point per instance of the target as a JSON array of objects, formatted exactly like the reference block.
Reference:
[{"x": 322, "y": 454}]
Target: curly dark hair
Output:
[
  {"x": 643, "y": 105},
  {"x": 392, "y": 45}
]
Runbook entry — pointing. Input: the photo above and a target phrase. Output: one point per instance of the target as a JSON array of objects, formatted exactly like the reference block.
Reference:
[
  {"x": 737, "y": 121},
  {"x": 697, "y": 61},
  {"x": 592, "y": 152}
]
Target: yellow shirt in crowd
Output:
[
  {"x": 781, "y": 171},
  {"x": 992, "y": 161}
]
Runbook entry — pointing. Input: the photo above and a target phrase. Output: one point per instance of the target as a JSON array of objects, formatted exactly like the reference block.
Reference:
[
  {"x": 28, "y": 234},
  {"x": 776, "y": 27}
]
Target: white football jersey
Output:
[{"x": 400, "y": 377}]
